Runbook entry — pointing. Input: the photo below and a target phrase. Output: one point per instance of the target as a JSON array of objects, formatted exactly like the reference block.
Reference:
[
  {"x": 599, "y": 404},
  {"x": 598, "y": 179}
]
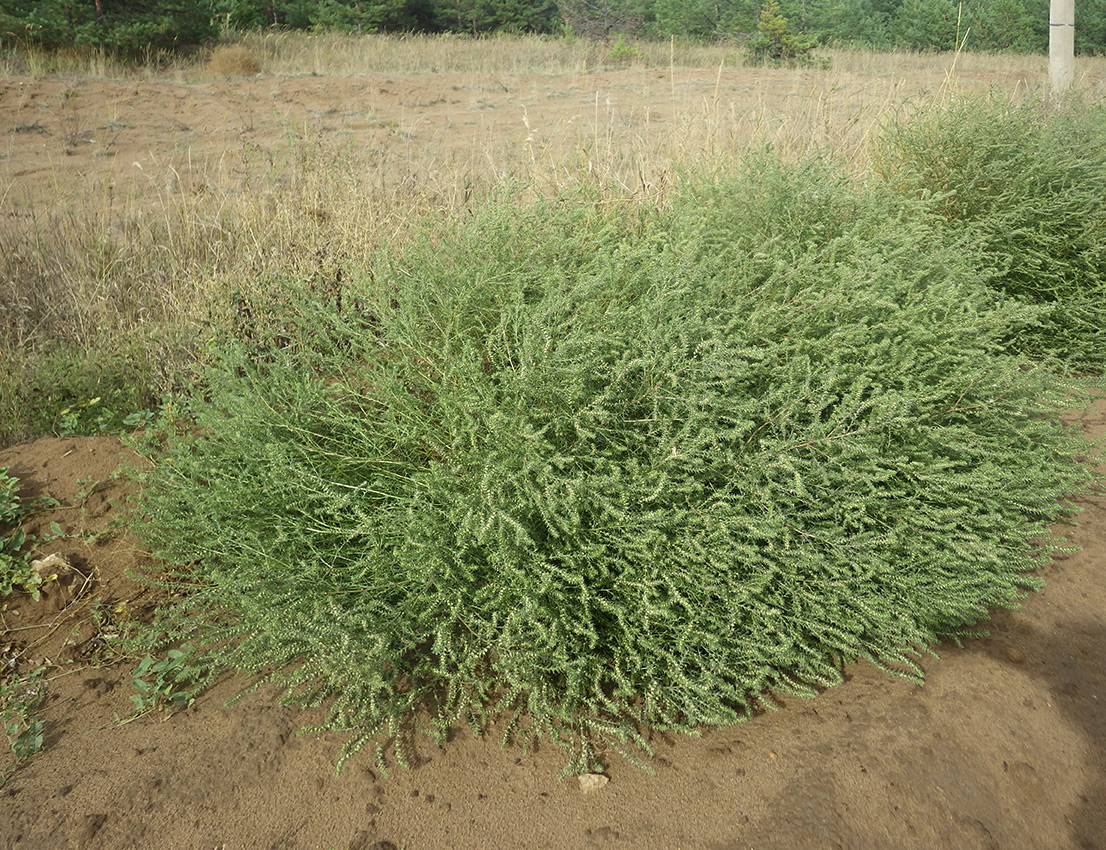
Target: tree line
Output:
[{"x": 139, "y": 25}]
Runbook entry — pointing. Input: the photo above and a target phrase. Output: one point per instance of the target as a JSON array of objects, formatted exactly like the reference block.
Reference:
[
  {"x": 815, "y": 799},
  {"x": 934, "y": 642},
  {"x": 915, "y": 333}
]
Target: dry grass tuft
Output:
[{"x": 233, "y": 60}]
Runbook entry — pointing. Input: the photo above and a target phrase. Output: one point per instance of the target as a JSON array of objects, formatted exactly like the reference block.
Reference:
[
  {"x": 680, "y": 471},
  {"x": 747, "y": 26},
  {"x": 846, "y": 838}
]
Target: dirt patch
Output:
[
  {"x": 93, "y": 557},
  {"x": 1004, "y": 746}
]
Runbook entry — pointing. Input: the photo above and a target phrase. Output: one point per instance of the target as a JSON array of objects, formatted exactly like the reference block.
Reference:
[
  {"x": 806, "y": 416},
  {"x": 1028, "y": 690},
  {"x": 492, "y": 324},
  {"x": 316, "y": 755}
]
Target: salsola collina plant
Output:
[
  {"x": 1023, "y": 182},
  {"x": 604, "y": 473}
]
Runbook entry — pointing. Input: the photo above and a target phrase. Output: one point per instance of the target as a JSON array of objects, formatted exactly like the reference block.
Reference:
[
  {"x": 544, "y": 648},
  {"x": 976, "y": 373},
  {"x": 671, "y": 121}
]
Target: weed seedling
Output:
[
  {"x": 20, "y": 699},
  {"x": 162, "y": 683}
]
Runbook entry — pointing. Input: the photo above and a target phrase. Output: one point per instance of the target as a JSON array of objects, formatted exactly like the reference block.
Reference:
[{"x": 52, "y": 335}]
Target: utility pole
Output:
[{"x": 1061, "y": 45}]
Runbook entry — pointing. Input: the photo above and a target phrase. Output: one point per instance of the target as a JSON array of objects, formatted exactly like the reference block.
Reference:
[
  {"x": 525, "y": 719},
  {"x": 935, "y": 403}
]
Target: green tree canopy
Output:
[
  {"x": 125, "y": 26},
  {"x": 133, "y": 26}
]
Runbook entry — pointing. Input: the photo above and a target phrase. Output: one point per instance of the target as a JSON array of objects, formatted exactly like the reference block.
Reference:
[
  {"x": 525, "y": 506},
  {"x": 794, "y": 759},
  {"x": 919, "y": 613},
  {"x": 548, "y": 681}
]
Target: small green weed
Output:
[
  {"x": 163, "y": 683},
  {"x": 11, "y": 510},
  {"x": 15, "y": 567},
  {"x": 20, "y": 699},
  {"x": 625, "y": 52}
]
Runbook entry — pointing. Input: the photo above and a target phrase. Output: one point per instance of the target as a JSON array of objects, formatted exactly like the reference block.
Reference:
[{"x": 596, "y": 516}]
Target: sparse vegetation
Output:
[
  {"x": 162, "y": 683},
  {"x": 20, "y": 699},
  {"x": 21, "y": 695}
]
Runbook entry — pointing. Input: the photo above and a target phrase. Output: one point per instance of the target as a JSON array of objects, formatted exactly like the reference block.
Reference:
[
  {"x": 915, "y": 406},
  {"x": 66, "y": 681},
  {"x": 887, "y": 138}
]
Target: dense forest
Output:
[{"x": 139, "y": 25}]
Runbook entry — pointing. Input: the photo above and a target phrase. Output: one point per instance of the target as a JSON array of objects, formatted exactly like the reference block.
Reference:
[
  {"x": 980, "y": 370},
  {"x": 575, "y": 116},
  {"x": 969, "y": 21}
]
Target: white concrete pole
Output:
[{"x": 1061, "y": 45}]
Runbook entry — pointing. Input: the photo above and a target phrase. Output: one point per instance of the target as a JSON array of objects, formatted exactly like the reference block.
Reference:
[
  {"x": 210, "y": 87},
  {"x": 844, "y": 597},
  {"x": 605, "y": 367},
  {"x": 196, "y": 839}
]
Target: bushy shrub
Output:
[
  {"x": 1026, "y": 183},
  {"x": 605, "y": 473},
  {"x": 233, "y": 60}
]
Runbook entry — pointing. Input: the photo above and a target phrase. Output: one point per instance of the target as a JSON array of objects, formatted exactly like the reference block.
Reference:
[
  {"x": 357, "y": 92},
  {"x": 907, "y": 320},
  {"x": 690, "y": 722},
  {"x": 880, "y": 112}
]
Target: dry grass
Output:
[
  {"x": 156, "y": 272},
  {"x": 233, "y": 60},
  {"x": 335, "y": 53},
  {"x": 161, "y": 252},
  {"x": 95, "y": 63},
  {"x": 339, "y": 53}
]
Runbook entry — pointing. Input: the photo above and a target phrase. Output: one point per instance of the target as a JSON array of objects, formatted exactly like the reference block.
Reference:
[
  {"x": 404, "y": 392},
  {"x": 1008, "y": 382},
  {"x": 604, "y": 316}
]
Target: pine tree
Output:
[{"x": 775, "y": 44}]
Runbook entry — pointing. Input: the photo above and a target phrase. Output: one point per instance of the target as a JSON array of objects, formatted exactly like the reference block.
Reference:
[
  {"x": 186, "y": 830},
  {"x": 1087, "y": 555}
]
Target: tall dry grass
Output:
[
  {"x": 336, "y": 53},
  {"x": 86, "y": 62},
  {"x": 341, "y": 53}
]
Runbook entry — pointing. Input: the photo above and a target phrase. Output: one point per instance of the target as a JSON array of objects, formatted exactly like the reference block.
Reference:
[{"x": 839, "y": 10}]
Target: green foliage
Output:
[
  {"x": 937, "y": 25},
  {"x": 11, "y": 511},
  {"x": 349, "y": 15},
  {"x": 15, "y": 566},
  {"x": 1006, "y": 25},
  {"x": 1024, "y": 182},
  {"x": 775, "y": 43},
  {"x": 251, "y": 14},
  {"x": 163, "y": 683},
  {"x": 488, "y": 16},
  {"x": 353, "y": 16},
  {"x": 135, "y": 27},
  {"x": 703, "y": 18},
  {"x": 604, "y": 472},
  {"x": 15, "y": 570},
  {"x": 860, "y": 22},
  {"x": 465, "y": 16},
  {"x": 129, "y": 27},
  {"x": 624, "y": 52},
  {"x": 928, "y": 25},
  {"x": 69, "y": 390},
  {"x": 1090, "y": 26},
  {"x": 20, "y": 699},
  {"x": 602, "y": 19}
]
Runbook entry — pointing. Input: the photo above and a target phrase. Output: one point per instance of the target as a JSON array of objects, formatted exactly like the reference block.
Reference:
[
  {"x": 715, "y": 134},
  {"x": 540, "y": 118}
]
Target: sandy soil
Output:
[{"x": 1004, "y": 747}]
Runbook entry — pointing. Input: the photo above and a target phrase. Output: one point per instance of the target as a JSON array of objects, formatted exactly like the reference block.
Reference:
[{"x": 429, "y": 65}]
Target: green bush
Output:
[
  {"x": 606, "y": 473},
  {"x": 1025, "y": 182},
  {"x": 128, "y": 27}
]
